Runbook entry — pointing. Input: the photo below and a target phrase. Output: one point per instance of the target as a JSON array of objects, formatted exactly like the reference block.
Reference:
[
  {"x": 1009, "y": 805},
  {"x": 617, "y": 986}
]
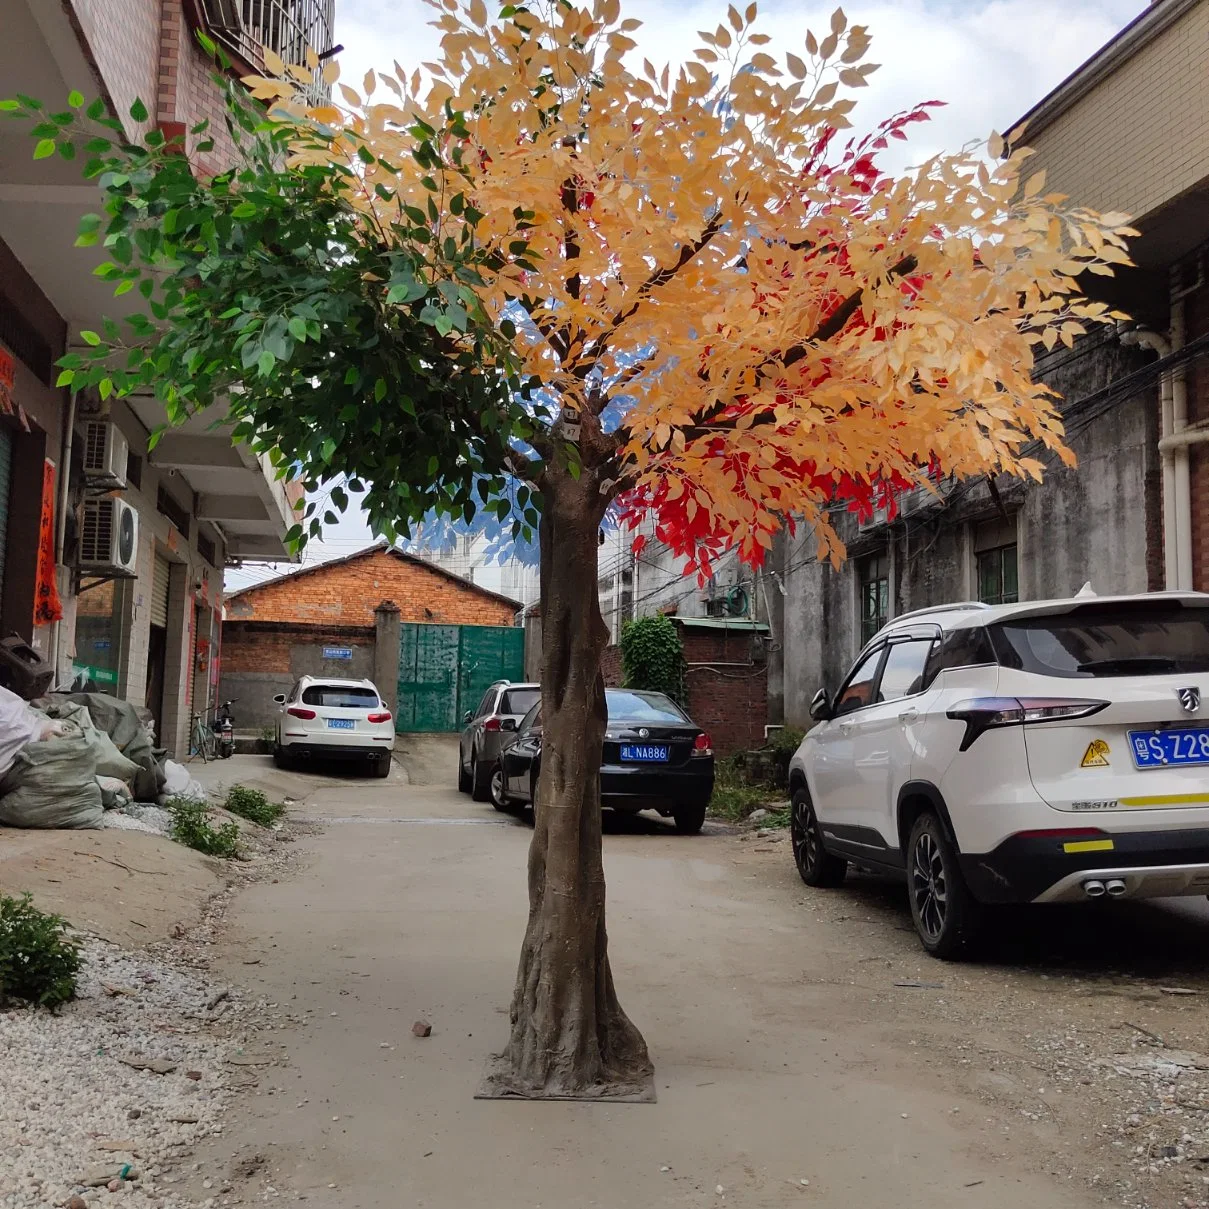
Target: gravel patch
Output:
[{"x": 76, "y": 1103}]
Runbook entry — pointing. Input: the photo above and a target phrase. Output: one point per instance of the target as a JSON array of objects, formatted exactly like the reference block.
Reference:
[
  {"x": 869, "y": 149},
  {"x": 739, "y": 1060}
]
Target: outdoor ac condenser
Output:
[
  {"x": 109, "y": 537},
  {"x": 105, "y": 454}
]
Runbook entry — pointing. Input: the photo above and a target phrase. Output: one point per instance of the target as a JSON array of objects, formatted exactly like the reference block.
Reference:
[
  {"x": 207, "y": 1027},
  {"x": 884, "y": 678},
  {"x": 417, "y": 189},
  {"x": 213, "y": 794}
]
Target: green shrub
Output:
[
  {"x": 252, "y": 804},
  {"x": 733, "y": 797},
  {"x": 191, "y": 827},
  {"x": 38, "y": 960},
  {"x": 652, "y": 657}
]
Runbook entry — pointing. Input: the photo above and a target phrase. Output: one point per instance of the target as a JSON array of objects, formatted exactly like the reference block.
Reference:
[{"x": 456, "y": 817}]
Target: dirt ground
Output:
[
  {"x": 124, "y": 886},
  {"x": 807, "y": 1053}
]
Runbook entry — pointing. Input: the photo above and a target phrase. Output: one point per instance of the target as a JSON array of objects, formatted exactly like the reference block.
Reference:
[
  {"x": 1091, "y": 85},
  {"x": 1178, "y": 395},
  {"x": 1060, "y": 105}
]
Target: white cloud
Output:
[{"x": 990, "y": 60}]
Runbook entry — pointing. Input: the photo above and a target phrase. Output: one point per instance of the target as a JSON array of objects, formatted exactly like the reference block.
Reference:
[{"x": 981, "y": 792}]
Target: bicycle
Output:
[{"x": 201, "y": 738}]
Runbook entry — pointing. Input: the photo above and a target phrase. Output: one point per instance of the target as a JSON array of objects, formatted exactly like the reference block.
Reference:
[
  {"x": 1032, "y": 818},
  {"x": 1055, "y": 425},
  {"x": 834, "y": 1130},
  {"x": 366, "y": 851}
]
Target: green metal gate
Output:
[{"x": 444, "y": 670}]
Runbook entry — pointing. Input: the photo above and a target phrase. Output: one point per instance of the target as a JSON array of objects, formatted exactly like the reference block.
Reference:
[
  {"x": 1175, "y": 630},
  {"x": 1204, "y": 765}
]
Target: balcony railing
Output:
[{"x": 289, "y": 28}]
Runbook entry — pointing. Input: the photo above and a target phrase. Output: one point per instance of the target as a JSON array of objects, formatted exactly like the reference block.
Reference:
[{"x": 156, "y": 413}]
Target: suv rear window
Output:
[
  {"x": 1115, "y": 640},
  {"x": 519, "y": 701},
  {"x": 340, "y": 696}
]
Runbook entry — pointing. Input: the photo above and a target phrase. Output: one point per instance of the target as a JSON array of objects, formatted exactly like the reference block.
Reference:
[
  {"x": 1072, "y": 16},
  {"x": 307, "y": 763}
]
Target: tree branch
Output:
[
  {"x": 555, "y": 338},
  {"x": 659, "y": 277}
]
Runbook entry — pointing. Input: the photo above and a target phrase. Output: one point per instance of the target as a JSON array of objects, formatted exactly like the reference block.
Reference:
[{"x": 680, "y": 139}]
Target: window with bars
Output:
[{"x": 874, "y": 581}]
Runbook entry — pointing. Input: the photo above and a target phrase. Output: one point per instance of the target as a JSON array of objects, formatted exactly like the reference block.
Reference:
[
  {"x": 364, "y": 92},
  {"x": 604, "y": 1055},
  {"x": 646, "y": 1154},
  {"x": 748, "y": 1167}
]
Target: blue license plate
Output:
[
  {"x": 1165, "y": 748},
  {"x": 644, "y": 753},
  {"x": 342, "y": 724}
]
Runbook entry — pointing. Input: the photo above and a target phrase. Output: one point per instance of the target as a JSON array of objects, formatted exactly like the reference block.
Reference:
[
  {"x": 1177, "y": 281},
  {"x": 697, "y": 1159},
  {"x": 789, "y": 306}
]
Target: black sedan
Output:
[{"x": 655, "y": 758}]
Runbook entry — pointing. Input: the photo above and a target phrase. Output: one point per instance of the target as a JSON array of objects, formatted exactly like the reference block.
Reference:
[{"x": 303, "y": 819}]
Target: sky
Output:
[{"x": 990, "y": 61}]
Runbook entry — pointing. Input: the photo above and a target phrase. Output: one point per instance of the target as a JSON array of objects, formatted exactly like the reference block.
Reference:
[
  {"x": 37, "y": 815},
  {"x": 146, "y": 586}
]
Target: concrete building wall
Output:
[
  {"x": 1138, "y": 137},
  {"x": 1091, "y": 523}
]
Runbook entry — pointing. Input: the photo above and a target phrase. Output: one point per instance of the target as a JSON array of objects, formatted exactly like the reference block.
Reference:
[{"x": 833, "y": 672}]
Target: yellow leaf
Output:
[
  {"x": 751, "y": 12},
  {"x": 838, "y": 22},
  {"x": 477, "y": 12},
  {"x": 274, "y": 63},
  {"x": 722, "y": 36},
  {"x": 736, "y": 21},
  {"x": 759, "y": 39},
  {"x": 331, "y": 72},
  {"x": 763, "y": 63},
  {"x": 995, "y": 145},
  {"x": 367, "y": 85},
  {"x": 1035, "y": 184},
  {"x": 351, "y": 97},
  {"x": 812, "y": 44},
  {"x": 796, "y": 66}
]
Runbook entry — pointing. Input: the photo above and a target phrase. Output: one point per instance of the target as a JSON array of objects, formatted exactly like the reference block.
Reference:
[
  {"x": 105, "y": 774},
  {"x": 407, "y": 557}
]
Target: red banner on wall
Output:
[{"x": 47, "y": 606}]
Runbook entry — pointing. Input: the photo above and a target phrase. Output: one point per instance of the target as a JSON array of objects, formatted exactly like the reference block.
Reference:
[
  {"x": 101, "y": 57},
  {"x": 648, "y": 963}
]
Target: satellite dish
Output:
[{"x": 1085, "y": 590}]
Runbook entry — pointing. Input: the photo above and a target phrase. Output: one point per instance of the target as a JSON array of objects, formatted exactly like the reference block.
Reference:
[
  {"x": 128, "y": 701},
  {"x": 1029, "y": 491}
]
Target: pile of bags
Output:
[{"x": 68, "y": 758}]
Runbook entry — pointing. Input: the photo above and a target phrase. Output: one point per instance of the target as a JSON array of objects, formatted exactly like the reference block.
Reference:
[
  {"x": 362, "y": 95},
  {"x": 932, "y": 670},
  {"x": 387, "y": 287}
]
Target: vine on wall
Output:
[{"x": 652, "y": 657}]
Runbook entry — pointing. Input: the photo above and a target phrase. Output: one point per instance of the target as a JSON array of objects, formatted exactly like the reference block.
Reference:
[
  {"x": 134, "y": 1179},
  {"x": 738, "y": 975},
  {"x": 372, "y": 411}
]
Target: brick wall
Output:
[
  {"x": 260, "y": 659},
  {"x": 346, "y": 593},
  {"x": 727, "y": 691}
]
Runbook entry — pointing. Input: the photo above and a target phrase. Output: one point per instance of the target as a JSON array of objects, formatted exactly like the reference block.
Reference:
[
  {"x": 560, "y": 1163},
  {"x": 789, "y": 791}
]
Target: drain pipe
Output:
[
  {"x": 1142, "y": 338},
  {"x": 1179, "y": 399}
]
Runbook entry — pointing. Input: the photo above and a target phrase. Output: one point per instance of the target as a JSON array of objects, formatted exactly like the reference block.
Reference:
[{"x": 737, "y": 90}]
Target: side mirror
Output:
[
  {"x": 279, "y": 698},
  {"x": 820, "y": 707},
  {"x": 467, "y": 716},
  {"x": 507, "y": 724}
]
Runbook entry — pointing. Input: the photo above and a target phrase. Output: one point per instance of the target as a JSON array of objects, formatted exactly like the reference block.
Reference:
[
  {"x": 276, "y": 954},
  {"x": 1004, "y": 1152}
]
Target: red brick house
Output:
[{"x": 345, "y": 618}]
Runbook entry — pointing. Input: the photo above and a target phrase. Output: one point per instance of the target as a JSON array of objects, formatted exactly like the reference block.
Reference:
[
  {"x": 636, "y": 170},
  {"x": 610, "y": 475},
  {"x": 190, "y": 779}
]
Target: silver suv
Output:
[{"x": 498, "y": 714}]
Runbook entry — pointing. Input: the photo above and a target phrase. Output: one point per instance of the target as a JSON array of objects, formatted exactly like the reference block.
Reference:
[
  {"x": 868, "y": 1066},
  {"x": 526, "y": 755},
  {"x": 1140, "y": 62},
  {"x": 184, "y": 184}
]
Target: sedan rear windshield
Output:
[
  {"x": 628, "y": 705},
  {"x": 340, "y": 696},
  {"x": 1116, "y": 640},
  {"x": 519, "y": 701}
]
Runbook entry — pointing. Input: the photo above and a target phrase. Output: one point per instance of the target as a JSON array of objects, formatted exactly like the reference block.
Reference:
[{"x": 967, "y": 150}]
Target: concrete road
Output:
[{"x": 781, "y": 1080}]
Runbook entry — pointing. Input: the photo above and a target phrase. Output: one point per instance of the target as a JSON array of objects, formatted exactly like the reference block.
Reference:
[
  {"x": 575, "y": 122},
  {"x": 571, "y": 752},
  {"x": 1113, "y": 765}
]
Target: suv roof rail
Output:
[{"x": 940, "y": 608}]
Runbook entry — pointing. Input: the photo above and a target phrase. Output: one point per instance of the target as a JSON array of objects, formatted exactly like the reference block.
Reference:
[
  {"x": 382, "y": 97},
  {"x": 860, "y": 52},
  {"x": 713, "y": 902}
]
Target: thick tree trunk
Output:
[{"x": 570, "y": 1037}]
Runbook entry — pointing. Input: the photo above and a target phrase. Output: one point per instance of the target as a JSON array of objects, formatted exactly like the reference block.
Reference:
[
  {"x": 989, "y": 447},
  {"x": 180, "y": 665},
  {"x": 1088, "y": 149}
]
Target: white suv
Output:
[
  {"x": 327, "y": 719},
  {"x": 1054, "y": 751}
]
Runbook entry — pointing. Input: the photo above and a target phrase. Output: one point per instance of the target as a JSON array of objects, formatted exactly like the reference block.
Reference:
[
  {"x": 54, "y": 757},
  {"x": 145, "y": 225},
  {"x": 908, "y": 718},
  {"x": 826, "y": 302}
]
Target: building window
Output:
[
  {"x": 995, "y": 562},
  {"x": 875, "y": 595}
]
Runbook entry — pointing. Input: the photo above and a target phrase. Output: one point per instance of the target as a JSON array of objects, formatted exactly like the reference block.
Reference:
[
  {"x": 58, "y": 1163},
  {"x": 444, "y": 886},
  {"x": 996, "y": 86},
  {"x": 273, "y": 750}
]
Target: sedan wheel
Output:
[
  {"x": 816, "y": 866},
  {"x": 498, "y": 798},
  {"x": 946, "y": 915}
]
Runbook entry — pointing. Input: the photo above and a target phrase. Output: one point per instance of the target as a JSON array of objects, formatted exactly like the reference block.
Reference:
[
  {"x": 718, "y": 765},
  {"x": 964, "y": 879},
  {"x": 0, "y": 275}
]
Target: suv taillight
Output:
[
  {"x": 984, "y": 713},
  {"x": 702, "y": 745},
  {"x": 298, "y": 712},
  {"x": 492, "y": 724},
  {"x": 379, "y": 717}
]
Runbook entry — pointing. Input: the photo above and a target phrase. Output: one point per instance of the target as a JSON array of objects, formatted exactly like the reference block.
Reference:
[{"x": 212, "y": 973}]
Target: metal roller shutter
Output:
[{"x": 159, "y": 592}]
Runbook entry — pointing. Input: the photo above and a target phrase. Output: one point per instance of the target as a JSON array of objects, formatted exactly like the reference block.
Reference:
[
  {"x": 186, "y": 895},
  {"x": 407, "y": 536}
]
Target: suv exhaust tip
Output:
[
  {"x": 1116, "y": 888},
  {"x": 1096, "y": 889}
]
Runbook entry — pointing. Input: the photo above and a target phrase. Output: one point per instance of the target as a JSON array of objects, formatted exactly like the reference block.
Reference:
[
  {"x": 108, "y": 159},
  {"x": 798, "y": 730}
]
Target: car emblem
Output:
[
  {"x": 643, "y": 733},
  {"x": 1190, "y": 699}
]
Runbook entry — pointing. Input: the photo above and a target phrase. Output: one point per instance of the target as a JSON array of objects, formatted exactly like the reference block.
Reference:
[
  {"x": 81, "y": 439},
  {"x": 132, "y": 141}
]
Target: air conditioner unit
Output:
[
  {"x": 715, "y": 607},
  {"x": 105, "y": 454},
  {"x": 109, "y": 538}
]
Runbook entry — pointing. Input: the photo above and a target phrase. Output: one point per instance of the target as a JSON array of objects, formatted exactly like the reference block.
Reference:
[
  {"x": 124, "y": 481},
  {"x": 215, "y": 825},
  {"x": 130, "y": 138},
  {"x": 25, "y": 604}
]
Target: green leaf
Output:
[
  {"x": 138, "y": 111},
  {"x": 44, "y": 149},
  {"x": 265, "y": 363},
  {"x": 379, "y": 390},
  {"x": 297, "y": 328},
  {"x": 105, "y": 388},
  {"x": 95, "y": 109},
  {"x": 9, "y": 105},
  {"x": 65, "y": 377},
  {"x": 75, "y": 99},
  {"x": 90, "y": 338},
  {"x": 328, "y": 449}
]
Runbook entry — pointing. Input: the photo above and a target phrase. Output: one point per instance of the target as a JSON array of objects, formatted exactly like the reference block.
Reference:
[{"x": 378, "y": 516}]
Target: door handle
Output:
[
  {"x": 845, "y": 727},
  {"x": 908, "y": 715}
]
